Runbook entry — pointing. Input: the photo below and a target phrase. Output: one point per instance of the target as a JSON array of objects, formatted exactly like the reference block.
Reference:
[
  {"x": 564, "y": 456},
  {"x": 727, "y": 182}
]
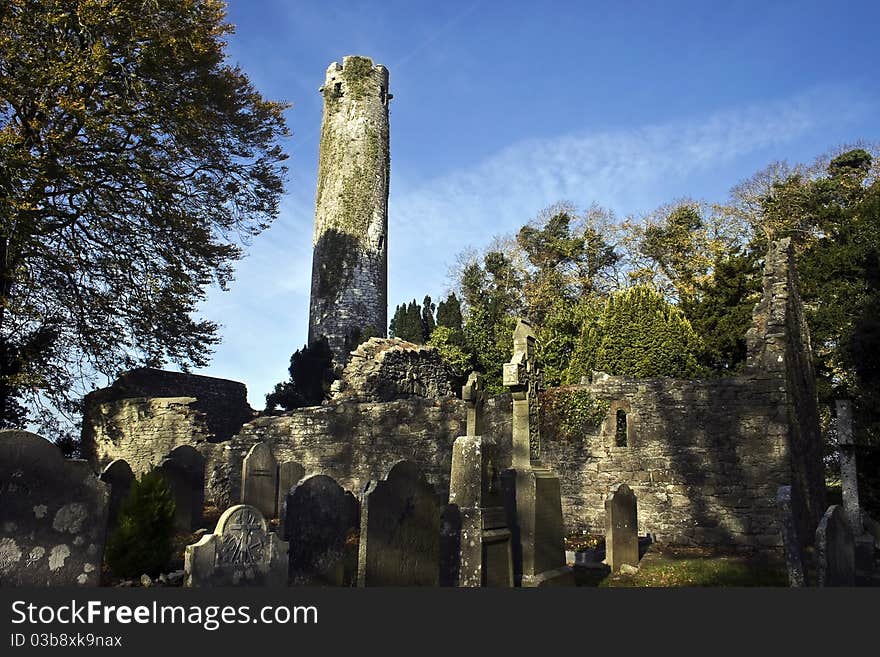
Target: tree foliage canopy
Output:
[{"x": 134, "y": 161}]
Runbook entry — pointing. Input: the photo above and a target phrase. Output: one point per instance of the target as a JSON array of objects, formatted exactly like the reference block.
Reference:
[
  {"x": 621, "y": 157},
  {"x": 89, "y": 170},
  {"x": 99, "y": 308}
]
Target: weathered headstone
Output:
[
  {"x": 319, "y": 518},
  {"x": 184, "y": 471},
  {"x": 259, "y": 480},
  {"x": 241, "y": 552},
  {"x": 794, "y": 555},
  {"x": 53, "y": 515},
  {"x": 289, "y": 474},
  {"x": 849, "y": 482},
  {"x": 849, "y": 485},
  {"x": 474, "y": 393},
  {"x": 484, "y": 544},
  {"x": 621, "y": 528},
  {"x": 119, "y": 477},
  {"x": 400, "y": 530},
  {"x": 532, "y": 493},
  {"x": 835, "y": 552}
]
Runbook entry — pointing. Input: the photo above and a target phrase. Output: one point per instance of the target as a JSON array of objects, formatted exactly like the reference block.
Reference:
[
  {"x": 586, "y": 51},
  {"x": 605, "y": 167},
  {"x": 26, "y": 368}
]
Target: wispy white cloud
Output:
[{"x": 629, "y": 170}]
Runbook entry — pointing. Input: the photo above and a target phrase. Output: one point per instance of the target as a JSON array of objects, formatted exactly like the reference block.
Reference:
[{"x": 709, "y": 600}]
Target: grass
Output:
[{"x": 666, "y": 566}]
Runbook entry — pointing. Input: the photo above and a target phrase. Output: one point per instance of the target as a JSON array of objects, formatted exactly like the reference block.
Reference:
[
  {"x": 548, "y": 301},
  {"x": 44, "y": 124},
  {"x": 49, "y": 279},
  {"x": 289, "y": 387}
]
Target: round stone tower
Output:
[{"x": 350, "y": 258}]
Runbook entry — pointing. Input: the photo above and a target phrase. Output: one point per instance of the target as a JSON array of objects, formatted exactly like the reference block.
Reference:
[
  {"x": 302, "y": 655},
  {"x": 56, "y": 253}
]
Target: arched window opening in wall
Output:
[{"x": 620, "y": 428}]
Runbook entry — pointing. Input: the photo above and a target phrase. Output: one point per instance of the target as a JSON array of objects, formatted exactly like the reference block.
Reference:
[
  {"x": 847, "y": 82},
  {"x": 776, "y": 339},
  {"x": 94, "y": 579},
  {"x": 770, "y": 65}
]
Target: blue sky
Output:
[{"x": 503, "y": 108}]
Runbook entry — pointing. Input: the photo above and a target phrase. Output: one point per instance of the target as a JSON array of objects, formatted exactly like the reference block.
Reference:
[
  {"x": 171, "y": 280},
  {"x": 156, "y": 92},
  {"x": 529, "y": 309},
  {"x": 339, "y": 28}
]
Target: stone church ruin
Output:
[{"x": 704, "y": 458}]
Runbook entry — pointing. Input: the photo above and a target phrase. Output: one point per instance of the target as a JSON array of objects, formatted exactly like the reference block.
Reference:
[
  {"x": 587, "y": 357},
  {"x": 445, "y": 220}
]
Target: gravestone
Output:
[
  {"x": 621, "y": 528},
  {"x": 184, "y": 471},
  {"x": 474, "y": 393},
  {"x": 289, "y": 474},
  {"x": 319, "y": 519},
  {"x": 400, "y": 530},
  {"x": 259, "y": 480},
  {"x": 835, "y": 552},
  {"x": 531, "y": 491},
  {"x": 241, "y": 552},
  {"x": 849, "y": 485},
  {"x": 794, "y": 555},
  {"x": 485, "y": 555},
  {"x": 53, "y": 515},
  {"x": 119, "y": 477}
]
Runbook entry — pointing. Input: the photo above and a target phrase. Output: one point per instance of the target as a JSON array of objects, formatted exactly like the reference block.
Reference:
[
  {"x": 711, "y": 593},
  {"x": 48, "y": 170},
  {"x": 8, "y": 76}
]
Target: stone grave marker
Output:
[
  {"x": 621, "y": 528},
  {"x": 794, "y": 555},
  {"x": 485, "y": 555},
  {"x": 289, "y": 474},
  {"x": 53, "y": 515},
  {"x": 241, "y": 552},
  {"x": 400, "y": 530},
  {"x": 184, "y": 471},
  {"x": 532, "y": 495},
  {"x": 259, "y": 480},
  {"x": 835, "y": 552},
  {"x": 849, "y": 485},
  {"x": 119, "y": 477},
  {"x": 319, "y": 518}
]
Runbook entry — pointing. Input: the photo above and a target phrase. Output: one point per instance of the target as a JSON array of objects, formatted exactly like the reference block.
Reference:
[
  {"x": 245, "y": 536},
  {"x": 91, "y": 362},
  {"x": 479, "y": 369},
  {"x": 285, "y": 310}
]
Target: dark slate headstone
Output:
[
  {"x": 193, "y": 464},
  {"x": 259, "y": 480},
  {"x": 319, "y": 519},
  {"x": 621, "y": 528},
  {"x": 53, "y": 515},
  {"x": 289, "y": 474},
  {"x": 400, "y": 530},
  {"x": 118, "y": 476},
  {"x": 835, "y": 551},
  {"x": 241, "y": 552},
  {"x": 794, "y": 556},
  {"x": 184, "y": 472}
]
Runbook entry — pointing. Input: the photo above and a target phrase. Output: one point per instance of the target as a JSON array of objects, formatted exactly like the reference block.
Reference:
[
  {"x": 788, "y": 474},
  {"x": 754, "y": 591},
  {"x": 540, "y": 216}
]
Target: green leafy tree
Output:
[
  {"x": 643, "y": 335},
  {"x": 134, "y": 161},
  {"x": 311, "y": 374},
  {"x": 449, "y": 344},
  {"x": 142, "y": 540}
]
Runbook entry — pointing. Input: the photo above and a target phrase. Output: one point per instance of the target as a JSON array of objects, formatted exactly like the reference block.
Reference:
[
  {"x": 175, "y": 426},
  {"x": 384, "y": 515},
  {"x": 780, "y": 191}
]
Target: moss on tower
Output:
[{"x": 349, "y": 270}]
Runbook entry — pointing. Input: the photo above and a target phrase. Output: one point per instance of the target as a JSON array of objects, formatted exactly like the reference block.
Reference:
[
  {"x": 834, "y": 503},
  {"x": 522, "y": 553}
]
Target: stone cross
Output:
[
  {"x": 523, "y": 378},
  {"x": 245, "y": 539},
  {"x": 848, "y": 480},
  {"x": 241, "y": 551},
  {"x": 474, "y": 393}
]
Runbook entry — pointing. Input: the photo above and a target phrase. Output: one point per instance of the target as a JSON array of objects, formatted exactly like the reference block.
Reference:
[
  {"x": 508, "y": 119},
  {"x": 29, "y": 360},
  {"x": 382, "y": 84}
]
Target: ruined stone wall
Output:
[
  {"x": 354, "y": 443},
  {"x": 143, "y": 430},
  {"x": 699, "y": 452},
  {"x": 779, "y": 342},
  {"x": 385, "y": 369},
  {"x": 704, "y": 458},
  {"x": 146, "y": 413},
  {"x": 350, "y": 258}
]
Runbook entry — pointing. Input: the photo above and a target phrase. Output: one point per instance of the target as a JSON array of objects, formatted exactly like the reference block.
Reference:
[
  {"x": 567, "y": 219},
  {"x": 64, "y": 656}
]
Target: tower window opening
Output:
[{"x": 620, "y": 429}]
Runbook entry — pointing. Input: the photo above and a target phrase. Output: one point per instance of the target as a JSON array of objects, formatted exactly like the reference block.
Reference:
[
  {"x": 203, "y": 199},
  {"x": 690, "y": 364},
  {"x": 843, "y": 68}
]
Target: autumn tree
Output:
[{"x": 134, "y": 162}]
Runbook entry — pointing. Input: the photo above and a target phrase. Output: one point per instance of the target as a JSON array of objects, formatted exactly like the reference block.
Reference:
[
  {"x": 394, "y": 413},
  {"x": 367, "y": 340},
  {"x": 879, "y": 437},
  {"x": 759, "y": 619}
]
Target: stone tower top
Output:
[{"x": 349, "y": 264}]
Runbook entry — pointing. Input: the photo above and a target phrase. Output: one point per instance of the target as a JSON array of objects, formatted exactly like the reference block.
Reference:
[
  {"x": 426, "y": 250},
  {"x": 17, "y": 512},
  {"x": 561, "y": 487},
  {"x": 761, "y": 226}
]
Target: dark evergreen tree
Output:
[
  {"x": 720, "y": 310},
  {"x": 428, "y": 322},
  {"x": 311, "y": 373},
  {"x": 449, "y": 313}
]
